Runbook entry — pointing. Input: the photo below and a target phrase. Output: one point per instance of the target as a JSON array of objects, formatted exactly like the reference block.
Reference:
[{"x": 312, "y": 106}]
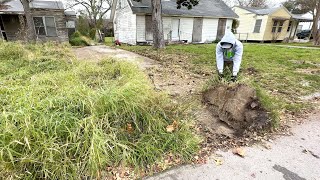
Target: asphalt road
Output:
[{"x": 294, "y": 157}]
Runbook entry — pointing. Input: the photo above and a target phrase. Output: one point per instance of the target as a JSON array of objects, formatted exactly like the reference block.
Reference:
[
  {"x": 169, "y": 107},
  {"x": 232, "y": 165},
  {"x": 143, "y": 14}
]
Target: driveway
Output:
[{"x": 98, "y": 53}]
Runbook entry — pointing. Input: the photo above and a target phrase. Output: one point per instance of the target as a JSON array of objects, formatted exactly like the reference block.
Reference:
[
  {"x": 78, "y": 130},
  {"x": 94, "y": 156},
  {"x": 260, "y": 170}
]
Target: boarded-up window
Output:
[
  {"x": 45, "y": 26},
  {"x": 257, "y": 27}
]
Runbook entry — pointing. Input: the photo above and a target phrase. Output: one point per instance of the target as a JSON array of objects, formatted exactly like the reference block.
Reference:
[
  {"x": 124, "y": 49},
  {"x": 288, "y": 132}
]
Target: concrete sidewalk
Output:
[{"x": 294, "y": 157}]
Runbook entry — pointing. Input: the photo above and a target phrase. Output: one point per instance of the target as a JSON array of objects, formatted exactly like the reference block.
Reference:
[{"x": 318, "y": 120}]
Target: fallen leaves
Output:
[
  {"x": 218, "y": 162},
  {"x": 170, "y": 128},
  {"x": 129, "y": 128},
  {"x": 239, "y": 151}
]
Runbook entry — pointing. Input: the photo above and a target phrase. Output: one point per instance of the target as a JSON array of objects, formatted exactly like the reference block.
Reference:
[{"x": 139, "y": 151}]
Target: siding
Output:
[
  {"x": 247, "y": 23},
  {"x": 141, "y": 28},
  {"x": 209, "y": 30},
  {"x": 125, "y": 24},
  {"x": 60, "y": 20},
  {"x": 268, "y": 36}
]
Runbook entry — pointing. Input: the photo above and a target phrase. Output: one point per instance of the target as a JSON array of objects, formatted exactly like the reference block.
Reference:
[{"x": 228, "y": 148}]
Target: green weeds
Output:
[{"x": 63, "y": 119}]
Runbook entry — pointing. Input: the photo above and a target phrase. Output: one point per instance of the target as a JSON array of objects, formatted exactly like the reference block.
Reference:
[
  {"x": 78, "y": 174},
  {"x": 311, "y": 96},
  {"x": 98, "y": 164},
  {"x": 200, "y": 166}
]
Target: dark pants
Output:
[{"x": 228, "y": 66}]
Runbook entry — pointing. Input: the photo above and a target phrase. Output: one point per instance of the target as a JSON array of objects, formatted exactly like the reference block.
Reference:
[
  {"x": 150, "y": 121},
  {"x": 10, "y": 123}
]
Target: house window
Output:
[
  {"x": 289, "y": 27},
  {"x": 257, "y": 26},
  {"x": 274, "y": 27},
  {"x": 45, "y": 26},
  {"x": 280, "y": 26}
]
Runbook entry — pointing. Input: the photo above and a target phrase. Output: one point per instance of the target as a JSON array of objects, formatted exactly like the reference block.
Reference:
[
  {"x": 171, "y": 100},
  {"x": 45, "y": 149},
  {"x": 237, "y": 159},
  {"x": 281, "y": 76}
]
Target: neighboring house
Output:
[
  {"x": 307, "y": 25},
  {"x": 52, "y": 22},
  {"x": 205, "y": 22},
  {"x": 268, "y": 24}
]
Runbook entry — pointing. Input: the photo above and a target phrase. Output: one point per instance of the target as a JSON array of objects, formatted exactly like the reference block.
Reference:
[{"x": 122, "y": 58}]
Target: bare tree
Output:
[
  {"x": 31, "y": 33},
  {"x": 94, "y": 9},
  {"x": 157, "y": 26},
  {"x": 247, "y": 3}
]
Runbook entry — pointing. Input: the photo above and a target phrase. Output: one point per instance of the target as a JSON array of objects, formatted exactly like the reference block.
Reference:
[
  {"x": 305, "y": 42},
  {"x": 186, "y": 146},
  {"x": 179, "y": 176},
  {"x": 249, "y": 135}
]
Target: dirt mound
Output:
[{"x": 238, "y": 106}]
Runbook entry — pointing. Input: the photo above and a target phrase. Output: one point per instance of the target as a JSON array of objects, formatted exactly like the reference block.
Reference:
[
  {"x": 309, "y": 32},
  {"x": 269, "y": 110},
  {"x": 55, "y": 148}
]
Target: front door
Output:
[
  {"x": 175, "y": 29},
  {"x": 197, "y": 30},
  {"x": 221, "y": 28}
]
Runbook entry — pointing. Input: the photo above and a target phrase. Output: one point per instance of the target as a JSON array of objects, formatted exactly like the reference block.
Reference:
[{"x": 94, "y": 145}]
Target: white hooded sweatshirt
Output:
[{"x": 234, "y": 54}]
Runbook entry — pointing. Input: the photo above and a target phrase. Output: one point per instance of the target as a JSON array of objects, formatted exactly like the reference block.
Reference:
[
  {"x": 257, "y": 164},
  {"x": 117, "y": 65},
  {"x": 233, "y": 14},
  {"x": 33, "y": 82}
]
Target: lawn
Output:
[
  {"x": 308, "y": 44},
  {"x": 280, "y": 75},
  {"x": 65, "y": 119}
]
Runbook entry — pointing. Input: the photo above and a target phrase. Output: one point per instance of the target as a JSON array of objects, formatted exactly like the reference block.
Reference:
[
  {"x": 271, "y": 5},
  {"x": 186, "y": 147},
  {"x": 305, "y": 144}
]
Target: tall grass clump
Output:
[{"x": 64, "y": 119}]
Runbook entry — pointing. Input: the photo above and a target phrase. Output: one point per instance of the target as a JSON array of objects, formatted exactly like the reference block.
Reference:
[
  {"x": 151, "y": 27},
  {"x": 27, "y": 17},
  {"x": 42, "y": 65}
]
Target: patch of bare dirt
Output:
[{"x": 238, "y": 106}]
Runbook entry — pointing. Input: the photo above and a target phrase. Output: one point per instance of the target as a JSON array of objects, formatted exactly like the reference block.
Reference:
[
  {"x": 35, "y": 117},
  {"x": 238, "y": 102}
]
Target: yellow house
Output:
[{"x": 269, "y": 24}]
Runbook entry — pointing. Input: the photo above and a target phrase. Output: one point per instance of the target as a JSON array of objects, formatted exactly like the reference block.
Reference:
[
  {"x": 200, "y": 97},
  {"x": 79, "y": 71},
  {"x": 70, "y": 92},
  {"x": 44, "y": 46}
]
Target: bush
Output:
[
  {"x": 77, "y": 39},
  {"x": 64, "y": 119},
  {"x": 92, "y": 33},
  {"x": 76, "y": 34}
]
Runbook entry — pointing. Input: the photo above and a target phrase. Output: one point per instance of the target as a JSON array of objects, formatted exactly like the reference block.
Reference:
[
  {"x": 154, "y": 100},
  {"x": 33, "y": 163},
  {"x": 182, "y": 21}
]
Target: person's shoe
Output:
[{"x": 234, "y": 78}]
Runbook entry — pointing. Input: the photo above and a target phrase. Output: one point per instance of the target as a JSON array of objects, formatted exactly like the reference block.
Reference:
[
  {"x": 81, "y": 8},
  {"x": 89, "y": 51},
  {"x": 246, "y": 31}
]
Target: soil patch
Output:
[{"x": 238, "y": 106}]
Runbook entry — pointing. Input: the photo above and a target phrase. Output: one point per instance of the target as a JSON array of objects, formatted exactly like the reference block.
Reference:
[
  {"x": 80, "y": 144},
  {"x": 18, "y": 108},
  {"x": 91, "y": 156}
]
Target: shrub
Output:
[{"x": 92, "y": 33}]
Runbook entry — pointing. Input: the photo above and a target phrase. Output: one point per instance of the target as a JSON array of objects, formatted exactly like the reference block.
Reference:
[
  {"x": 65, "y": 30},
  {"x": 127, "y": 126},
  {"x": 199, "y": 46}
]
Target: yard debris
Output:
[
  {"x": 239, "y": 151},
  {"x": 172, "y": 127},
  {"x": 218, "y": 162},
  {"x": 238, "y": 106},
  {"x": 129, "y": 128}
]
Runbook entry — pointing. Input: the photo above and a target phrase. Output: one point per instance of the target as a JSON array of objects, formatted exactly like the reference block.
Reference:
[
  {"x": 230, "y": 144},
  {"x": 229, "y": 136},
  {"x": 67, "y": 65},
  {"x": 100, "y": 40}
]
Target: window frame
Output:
[
  {"x": 280, "y": 27},
  {"x": 274, "y": 26},
  {"x": 289, "y": 26},
  {"x": 45, "y": 25},
  {"x": 255, "y": 26}
]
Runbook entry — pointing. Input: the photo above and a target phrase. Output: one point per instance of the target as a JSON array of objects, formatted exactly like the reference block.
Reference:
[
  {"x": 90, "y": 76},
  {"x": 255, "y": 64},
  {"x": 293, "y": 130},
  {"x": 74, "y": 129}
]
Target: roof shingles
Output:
[{"x": 205, "y": 8}]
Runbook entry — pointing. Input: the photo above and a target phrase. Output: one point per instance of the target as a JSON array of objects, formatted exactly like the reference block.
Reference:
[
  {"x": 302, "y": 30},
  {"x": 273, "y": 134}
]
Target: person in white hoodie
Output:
[{"x": 229, "y": 54}]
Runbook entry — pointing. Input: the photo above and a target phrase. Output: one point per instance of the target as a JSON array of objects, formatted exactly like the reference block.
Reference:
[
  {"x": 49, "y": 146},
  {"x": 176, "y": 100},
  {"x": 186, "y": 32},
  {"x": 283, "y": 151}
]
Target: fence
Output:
[{"x": 242, "y": 36}]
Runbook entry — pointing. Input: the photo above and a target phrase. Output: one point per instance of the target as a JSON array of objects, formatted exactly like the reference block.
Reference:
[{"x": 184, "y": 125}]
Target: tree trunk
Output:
[
  {"x": 316, "y": 29},
  {"x": 31, "y": 33},
  {"x": 158, "y": 40}
]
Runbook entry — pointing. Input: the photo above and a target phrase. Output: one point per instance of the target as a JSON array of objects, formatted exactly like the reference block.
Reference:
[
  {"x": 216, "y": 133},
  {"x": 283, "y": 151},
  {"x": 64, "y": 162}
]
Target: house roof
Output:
[
  {"x": 260, "y": 11},
  {"x": 15, "y": 6},
  {"x": 205, "y": 8},
  {"x": 300, "y": 18}
]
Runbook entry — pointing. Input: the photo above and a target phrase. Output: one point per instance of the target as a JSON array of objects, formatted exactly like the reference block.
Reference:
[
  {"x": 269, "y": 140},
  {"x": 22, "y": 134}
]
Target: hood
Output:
[{"x": 229, "y": 38}]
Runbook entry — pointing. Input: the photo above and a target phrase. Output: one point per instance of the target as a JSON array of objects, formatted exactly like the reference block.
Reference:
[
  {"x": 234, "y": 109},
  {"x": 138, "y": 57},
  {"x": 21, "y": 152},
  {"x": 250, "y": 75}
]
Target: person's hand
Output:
[{"x": 234, "y": 78}]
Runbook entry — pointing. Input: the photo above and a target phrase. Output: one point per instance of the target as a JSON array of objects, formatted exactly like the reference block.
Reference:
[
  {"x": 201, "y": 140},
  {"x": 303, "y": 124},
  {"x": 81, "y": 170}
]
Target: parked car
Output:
[{"x": 304, "y": 34}]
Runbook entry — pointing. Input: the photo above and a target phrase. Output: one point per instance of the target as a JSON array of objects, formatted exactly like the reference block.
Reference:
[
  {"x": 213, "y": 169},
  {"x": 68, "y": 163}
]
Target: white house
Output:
[
  {"x": 307, "y": 25},
  {"x": 205, "y": 22}
]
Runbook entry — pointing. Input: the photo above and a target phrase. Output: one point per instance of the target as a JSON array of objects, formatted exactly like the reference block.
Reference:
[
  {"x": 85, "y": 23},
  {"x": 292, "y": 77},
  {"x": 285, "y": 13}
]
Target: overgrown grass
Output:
[
  {"x": 63, "y": 119},
  {"x": 281, "y": 75}
]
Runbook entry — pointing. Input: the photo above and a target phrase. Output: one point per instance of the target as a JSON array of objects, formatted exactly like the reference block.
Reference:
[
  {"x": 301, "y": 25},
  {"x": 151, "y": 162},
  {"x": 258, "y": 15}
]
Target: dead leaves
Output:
[
  {"x": 170, "y": 128},
  {"x": 218, "y": 162},
  {"x": 129, "y": 128},
  {"x": 239, "y": 151}
]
